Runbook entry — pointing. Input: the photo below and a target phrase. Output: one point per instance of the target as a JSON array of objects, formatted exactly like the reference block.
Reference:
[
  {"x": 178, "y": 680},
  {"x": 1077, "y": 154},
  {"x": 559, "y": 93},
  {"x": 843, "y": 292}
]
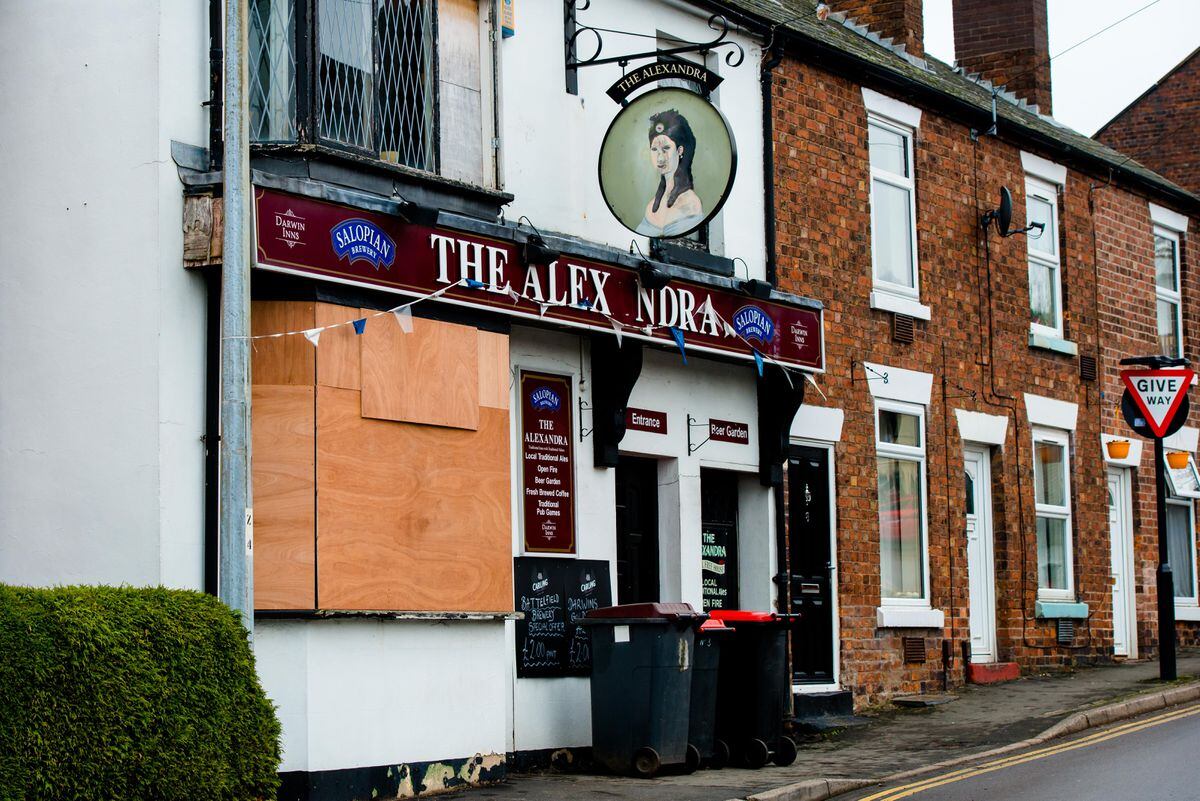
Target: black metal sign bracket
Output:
[{"x": 717, "y": 22}]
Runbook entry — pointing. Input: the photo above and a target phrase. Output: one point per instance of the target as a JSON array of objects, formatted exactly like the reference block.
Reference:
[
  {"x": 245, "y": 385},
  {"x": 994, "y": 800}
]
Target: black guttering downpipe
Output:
[
  {"x": 216, "y": 64},
  {"x": 771, "y": 60},
  {"x": 818, "y": 52}
]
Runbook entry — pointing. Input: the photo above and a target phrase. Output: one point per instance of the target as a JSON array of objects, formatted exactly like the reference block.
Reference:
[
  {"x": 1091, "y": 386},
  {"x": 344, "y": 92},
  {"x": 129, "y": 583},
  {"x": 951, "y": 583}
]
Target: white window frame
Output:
[
  {"x": 1037, "y": 187},
  {"x": 911, "y": 454},
  {"x": 1192, "y": 600},
  {"x": 1174, "y": 296},
  {"x": 1063, "y": 438},
  {"x": 908, "y": 184}
]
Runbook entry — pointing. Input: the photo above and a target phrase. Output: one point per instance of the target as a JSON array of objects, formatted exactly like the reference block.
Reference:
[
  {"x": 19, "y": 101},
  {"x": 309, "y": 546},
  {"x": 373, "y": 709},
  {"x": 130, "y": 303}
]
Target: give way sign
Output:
[{"x": 1158, "y": 393}]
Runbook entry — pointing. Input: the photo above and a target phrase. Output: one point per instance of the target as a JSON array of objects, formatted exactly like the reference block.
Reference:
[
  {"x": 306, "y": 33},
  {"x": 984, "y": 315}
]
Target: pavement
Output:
[{"x": 899, "y": 741}]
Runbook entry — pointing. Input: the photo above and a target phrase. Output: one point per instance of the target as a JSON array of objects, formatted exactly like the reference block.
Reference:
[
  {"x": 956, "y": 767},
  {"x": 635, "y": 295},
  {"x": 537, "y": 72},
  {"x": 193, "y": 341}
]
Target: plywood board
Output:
[
  {"x": 411, "y": 517},
  {"x": 283, "y": 431},
  {"x": 494, "y": 375},
  {"x": 430, "y": 376},
  {"x": 281, "y": 360},
  {"x": 338, "y": 355},
  {"x": 458, "y": 44}
]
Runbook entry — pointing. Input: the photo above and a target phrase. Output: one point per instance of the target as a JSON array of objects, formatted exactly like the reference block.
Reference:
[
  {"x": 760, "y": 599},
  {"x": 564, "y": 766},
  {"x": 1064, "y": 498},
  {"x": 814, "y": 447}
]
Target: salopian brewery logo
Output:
[
  {"x": 545, "y": 398},
  {"x": 753, "y": 323},
  {"x": 360, "y": 240}
]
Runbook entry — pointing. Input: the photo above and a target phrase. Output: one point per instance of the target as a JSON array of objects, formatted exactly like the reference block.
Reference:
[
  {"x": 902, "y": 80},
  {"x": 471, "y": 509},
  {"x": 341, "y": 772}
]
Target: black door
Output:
[
  {"x": 637, "y": 530},
  {"x": 810, "y": 565},
  {"x": 719, "y": 539}
]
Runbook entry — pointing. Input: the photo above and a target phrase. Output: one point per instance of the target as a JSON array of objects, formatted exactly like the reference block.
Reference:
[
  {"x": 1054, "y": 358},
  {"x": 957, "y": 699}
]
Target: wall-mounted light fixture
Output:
[{"x": 535, "y": 250}]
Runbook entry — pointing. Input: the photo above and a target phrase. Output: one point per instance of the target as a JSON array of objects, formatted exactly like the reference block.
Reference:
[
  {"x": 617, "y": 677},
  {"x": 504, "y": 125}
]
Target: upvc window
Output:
[
  {"x": 1045, "y": 273},
  {"x": 1181, "y": 548},
  {"x": 1166, "y": 290},
  {"x": 900, "y": 459},
  {"x": 893, "y": 208},
  {"x": 1052, "y": 496}
]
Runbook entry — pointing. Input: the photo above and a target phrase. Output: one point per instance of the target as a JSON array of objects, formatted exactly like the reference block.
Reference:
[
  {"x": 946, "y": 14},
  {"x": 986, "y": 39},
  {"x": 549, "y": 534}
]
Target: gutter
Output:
[{"x": 771, "y": 60}]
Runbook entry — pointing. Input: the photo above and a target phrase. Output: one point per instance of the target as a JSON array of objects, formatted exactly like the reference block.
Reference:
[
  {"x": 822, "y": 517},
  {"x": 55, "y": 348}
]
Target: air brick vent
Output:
[
  {"x": 1087, "y": 368},
  {"x": 902, "y": 328},
  {"x": 914, "y": 649},
  {"x": 1066, "y": 631}
]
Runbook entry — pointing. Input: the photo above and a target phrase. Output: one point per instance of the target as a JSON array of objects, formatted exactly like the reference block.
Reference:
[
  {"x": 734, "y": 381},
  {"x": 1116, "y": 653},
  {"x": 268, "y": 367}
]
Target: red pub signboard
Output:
[
  {"x": 547, "y": 463},
  {"x": 316, "y": 238}
]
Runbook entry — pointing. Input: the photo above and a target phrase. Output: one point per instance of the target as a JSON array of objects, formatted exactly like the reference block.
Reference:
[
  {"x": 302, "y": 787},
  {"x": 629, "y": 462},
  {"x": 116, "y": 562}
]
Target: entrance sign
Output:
[
  {"x": 547, "y": 463},
  {"x": 667, "y": 163},
  {"x": 645, "y": 420},
  {"x": 1158, "y": 395},
  {"x": 295, "y": 235}
]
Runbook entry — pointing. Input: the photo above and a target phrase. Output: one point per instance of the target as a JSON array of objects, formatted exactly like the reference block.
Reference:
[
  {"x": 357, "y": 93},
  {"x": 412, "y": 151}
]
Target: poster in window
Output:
[{"x": 547, "y": 463}]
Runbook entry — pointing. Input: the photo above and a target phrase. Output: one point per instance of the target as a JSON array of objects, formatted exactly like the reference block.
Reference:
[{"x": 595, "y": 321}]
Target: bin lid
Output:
[
  {"x": 650, "y": 611},
  {"x": 714, "y": 626},
  {"x": 743, "y": 616}
]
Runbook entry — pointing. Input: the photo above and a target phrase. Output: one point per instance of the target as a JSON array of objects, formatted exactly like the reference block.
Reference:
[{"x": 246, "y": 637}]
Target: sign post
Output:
[{"x": 1155, "y": 405}]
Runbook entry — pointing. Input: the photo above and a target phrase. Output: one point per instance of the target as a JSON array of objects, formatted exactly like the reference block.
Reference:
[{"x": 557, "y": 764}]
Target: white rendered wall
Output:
[
  {"x": 102, "y": 370},
  {"x": 552, "y": 713},
  {"x": 361, "y": 693},
  {"x": 550, "y": 140}
]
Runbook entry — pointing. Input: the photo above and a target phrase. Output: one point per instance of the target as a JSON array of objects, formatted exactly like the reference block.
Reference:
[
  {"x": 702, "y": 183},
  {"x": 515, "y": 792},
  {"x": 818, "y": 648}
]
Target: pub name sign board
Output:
[{"x": 316, "y": 238}]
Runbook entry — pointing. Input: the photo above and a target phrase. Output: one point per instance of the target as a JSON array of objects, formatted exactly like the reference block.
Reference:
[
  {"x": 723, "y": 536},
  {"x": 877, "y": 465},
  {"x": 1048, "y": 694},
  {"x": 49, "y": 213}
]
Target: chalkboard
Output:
[{"x": 554, "y": 594}]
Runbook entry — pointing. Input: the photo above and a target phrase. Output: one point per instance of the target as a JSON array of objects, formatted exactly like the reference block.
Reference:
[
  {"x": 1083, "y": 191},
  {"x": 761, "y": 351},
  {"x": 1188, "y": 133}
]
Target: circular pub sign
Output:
[{"x": 667, "y": 163}]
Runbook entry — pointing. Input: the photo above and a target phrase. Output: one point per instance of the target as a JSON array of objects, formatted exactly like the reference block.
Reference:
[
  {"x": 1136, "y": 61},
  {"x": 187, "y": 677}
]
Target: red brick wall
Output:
[
  {"x": 1159, "y": 129},
  {"x": 1007, "y": 42},
  {"x": 976, "y": 346},
  {"x": 901, "y": 20}
]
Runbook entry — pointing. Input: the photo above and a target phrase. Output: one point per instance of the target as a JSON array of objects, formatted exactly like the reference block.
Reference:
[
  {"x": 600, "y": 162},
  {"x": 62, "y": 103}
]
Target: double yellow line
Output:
[{"x": 1007, "y": 762}]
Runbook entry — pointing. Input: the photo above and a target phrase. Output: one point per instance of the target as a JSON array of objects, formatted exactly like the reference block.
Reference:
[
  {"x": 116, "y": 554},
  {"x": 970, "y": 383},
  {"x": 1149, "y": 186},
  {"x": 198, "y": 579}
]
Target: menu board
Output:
[
  {"x": 555, "y": 594},
  {"x": 547, "y": 463}
]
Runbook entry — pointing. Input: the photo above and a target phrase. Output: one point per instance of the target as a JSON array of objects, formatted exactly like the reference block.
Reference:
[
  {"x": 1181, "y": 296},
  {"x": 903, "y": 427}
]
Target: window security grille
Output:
[
  {"x": 914, "y": 650},
  {"x": 371, "y": 67}
]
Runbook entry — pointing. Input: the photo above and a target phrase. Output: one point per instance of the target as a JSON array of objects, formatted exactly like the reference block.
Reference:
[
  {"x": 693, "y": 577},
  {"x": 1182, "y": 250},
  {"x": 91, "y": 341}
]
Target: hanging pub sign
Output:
[
  {"x": 667, "y": 163},
  {"x": 547, "y": 463},
  {"x": 319, "y": 239}
]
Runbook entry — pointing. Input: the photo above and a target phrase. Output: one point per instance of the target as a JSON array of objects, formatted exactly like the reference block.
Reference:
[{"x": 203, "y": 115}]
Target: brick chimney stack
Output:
[
  {"x": 901, "y": 20},
  {"x": 1007, "y": 42}
]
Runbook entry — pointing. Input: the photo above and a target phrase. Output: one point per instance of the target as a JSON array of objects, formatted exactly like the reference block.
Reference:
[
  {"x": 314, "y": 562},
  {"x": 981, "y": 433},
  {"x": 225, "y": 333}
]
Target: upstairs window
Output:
[
  {"x": 1166, "y": 290},
  {"x": 405, "y": 82},
  {"x": 893, "y": 208},
  {"x": 1045, "y": 273}
]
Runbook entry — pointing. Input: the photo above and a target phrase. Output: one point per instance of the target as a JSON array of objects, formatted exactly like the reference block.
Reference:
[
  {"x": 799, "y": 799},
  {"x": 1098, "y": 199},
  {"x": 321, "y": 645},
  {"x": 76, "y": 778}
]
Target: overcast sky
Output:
[{"x": 1095, "y": 81}]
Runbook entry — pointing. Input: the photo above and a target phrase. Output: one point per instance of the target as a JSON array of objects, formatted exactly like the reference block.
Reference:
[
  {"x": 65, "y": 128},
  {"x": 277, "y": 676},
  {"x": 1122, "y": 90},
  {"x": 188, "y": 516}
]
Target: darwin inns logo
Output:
[
  {"x": 360, "y": 240},
  {"x": 752, "y": 322},
  {"x": 545, "y": 398}
]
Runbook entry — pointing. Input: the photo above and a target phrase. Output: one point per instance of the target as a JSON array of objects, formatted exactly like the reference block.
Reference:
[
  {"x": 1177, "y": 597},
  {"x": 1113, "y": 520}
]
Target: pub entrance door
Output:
[
  {"x": 637, "y": 530},
  {"x": 809, "y": 580}
]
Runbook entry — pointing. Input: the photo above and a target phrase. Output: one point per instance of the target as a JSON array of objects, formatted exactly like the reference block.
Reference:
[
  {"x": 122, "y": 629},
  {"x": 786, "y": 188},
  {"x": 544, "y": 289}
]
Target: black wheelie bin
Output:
[
  {"x": 754, "y": 690},
  {"x": 641, "y": 686},
  {"x": 702, "y": 726}
]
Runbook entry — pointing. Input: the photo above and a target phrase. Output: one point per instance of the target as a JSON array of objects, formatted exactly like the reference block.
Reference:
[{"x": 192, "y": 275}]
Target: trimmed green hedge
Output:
[{"x": 131, "y": 694}]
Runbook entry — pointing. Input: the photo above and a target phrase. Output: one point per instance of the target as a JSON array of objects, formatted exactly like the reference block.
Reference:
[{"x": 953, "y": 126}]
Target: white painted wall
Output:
[
  {"x": 551, "y": 713},
  {"x": 550, "y": 140},
  {"x": 101, "y": 374},
  {"x": 361, "y": 693}
]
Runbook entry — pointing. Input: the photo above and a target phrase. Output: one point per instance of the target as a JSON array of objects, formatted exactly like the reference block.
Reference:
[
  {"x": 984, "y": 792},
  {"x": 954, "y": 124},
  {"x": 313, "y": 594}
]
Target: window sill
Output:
[
  {"x": 909, "y": 617},
  {"x": 1188, "y": 614},
  {"x": 888, "y": 302},
  {"x": 1056, "y": 344},
  {"x": 1061, "y": 609}
]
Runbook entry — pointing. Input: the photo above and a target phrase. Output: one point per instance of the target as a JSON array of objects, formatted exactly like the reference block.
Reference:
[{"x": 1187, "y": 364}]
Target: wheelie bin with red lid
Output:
[
  {"x": 753, "y": 691},
  {"x": 702, "y": 729},
  {"x": 641, "y": 686}
]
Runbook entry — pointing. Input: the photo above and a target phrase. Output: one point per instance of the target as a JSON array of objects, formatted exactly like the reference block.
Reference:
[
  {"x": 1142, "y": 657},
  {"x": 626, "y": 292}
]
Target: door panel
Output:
[
  {"x": 810, "y": 564},
  {"x": 637, "y": 530},
  {"x": 1121, "y": 539},
  {"x": 977, "y": 481}
]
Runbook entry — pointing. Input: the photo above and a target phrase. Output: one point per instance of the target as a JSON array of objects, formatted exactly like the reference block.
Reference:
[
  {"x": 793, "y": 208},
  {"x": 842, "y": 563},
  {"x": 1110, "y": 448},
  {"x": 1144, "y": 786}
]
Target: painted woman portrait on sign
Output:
[{"x": 675, "y": 208}]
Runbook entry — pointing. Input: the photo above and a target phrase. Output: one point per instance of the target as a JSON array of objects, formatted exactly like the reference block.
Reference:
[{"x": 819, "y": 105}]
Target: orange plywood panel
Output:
[
  {"x": 494, "y": 376},
  {"x": 281, "y": 360},
  {"x": 338, "y": 355},
  {"x": 282, "y": 425},
  {"x": 430, "y": 376},
  {"x": 411, "y": 517}
]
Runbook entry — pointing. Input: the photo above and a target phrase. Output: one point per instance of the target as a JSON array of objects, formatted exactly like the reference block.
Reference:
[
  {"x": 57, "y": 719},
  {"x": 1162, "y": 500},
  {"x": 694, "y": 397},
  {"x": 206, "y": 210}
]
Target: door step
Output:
[
  {"x": 992, "y": 672},
  {"x": 828, "y": 724},
  {"x": 825, "y": 712}
]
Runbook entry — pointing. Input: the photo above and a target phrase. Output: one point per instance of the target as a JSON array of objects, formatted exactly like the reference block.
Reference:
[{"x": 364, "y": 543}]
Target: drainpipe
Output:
[
  {"x": 235, "y": 575},
  {"x": 215, "y": 110},
  {"x": 771, "y": 59}
]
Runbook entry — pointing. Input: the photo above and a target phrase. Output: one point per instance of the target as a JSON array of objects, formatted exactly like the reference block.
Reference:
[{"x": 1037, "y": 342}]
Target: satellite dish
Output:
[{"x": 1004, "y": 214}]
